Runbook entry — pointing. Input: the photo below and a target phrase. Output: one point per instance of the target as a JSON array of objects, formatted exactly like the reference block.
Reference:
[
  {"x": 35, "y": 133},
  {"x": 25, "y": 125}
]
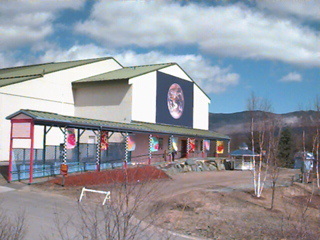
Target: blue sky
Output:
[{"x": 230, "y": 48}]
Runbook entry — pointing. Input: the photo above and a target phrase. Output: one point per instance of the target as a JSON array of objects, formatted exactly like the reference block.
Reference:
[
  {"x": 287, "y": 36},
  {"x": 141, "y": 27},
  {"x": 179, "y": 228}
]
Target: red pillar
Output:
[
  {"x": 10, "y": 155},
  {"x": 31, "y": 152}
]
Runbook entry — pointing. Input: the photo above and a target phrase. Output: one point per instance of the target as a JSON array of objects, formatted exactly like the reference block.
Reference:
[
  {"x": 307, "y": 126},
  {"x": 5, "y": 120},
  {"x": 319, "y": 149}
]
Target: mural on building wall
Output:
[{"x": 174, "y": 101}]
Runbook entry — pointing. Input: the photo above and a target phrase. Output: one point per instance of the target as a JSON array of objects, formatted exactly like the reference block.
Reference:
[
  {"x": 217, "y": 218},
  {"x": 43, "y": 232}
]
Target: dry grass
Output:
[{"x": 238, "y": 215}]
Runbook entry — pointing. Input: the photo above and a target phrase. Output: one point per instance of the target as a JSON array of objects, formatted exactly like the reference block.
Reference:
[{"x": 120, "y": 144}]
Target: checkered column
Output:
[
  {"x": 171, "y": 147},
  {"x": 188, "y": 147},
  {"x": 150, "y": 145},
  {"x": 126, "y": 152},
  {"x": 98, "y": 158},
  {"x": 64, "y": 156}
]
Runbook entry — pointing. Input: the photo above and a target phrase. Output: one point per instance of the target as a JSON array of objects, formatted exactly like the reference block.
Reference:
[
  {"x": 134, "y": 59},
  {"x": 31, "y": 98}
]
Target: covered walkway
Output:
[{"x": 24, "y": 121}]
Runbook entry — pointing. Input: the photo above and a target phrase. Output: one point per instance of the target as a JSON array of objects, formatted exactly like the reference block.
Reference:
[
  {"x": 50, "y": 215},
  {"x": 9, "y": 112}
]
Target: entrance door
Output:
[{"x": 183, "y": 148}]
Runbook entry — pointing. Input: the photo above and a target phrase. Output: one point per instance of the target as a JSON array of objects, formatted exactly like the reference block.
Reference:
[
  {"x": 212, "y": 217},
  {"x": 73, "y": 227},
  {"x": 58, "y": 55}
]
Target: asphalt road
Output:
[{"x": 39, "y": 209}]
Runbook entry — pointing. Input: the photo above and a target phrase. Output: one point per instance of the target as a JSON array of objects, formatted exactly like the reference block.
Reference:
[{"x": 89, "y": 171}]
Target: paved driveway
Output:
[{"x": 39, "y": 208}]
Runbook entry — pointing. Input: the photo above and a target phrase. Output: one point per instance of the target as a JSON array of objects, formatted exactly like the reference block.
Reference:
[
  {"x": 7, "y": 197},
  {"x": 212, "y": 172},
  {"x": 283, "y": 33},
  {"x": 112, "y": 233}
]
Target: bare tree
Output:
[
  {"x": 316, "y": 139},
  {"x": 12, "y": 228},
  {"x": 118, "y": 219},
  {"x": 260, "y": 114},
  {"x": 272, "y": 153}
]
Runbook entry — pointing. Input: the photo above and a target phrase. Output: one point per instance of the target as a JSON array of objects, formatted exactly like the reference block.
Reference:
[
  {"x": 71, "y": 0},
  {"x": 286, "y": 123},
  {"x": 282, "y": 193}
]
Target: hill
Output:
[{"x": 237, "y": 125}]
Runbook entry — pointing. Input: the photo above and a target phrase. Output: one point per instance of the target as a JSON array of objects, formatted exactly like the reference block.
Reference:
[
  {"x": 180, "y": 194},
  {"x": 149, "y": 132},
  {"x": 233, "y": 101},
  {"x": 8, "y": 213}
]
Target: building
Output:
[
  {"x": 242, "y": 158},
  {"x": 158, "y": 108}
]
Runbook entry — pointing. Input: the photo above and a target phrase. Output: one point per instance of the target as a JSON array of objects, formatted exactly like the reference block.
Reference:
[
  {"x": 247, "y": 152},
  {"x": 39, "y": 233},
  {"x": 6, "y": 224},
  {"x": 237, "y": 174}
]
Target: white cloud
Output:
[
  {"x": 28, "y": 22},
  {"x": 292, "y": 77},
  {"x": 213, "y": 79},
  {"x": 76, "y": 52},
  {"x": 8, "y": 60},
  {"x": 309, "y": 9},
  {"x": 231, "y": 30}
]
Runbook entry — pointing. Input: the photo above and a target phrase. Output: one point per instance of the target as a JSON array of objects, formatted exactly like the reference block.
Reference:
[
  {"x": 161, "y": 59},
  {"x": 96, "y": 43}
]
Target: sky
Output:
[{"x": 230, "y": 48}]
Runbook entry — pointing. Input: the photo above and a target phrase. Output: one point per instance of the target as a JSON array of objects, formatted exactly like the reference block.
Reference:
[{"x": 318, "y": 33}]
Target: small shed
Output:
[
  {"x": 243, "y": 158},
  {"x": 304, "y": 161}
]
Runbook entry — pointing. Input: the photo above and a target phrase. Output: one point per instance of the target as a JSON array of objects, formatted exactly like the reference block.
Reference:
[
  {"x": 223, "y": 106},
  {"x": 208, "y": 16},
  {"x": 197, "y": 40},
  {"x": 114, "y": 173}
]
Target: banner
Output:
[
  {"x": 71, "y": 138},
  {"x": 206, "y": 145},
  {"x": 154, "y": 144},
  {"x": 192, "y": 144},
  {"x": 131, "y": 145},
  {"x": 104, "y": 143},
  {"x": 174, "y": 142},
  {"x": 220, "y": 147}
]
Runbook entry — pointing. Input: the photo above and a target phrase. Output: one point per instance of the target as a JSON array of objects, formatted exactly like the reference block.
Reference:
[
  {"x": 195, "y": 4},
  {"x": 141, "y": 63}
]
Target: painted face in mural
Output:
[{"x": 175, "y": 101}]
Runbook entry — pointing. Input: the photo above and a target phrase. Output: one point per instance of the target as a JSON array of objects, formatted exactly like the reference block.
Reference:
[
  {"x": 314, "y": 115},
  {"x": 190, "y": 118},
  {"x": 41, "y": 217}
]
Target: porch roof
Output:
[
  {"x": 58, "y": 120},
  {"x": 244, "y": 153}
]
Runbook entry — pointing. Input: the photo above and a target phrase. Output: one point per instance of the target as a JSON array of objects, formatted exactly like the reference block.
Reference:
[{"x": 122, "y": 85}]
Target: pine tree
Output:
[{"x": 285, "y": 149}]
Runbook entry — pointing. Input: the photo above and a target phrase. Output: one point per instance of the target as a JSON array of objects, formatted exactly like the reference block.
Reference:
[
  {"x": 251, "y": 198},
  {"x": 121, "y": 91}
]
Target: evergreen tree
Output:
[{"x": 286, "y": 149}]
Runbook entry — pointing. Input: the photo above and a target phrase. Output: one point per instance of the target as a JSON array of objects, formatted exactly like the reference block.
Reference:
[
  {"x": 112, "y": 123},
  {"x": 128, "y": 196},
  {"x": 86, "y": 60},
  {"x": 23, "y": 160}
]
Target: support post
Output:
[
  {"x": 98, "y": 158},
  {"x": 31, "y": 152},
  {"x": 203, "y": 149},
  {"x": 126, "y": 152},
  {"x": 78, "y": 146},
  {"x": 171, "y": 149},
  {"x": 188, "y": 147},
  {"x": 64, "y": 159},
  {"x": 150, "y": 145},
  {"x": 10, "y": 155},
  {"x": 45, "y": 132}
]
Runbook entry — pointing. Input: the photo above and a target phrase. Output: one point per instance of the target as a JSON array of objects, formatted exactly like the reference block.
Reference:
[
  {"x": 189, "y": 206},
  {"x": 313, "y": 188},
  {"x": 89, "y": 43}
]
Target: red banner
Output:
[
  {"x": 192, "y": 144},
  {"x": 71, "y": 139},
  {"x": 104, "y": 143},
  {"x": 220, "y": 147}
]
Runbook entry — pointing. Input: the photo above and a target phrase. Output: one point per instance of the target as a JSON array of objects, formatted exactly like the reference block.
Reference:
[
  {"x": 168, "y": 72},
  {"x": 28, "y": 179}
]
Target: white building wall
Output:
[
  {"x": 176, "y": 71},
  {"x": 51, "y": 93},
  {"x": 10, "y": 104},
  {"x": 200, "y": 109},
  {"x": 56, "y": 86},
  {"x": 144, "y": 97},
  {"x": 109, "y": 100}
]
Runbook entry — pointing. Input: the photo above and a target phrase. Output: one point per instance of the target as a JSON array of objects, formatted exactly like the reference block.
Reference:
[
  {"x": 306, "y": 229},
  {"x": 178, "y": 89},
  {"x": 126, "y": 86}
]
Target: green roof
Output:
[
  {"x": 125, "y": 73},
  {"x": 53, "y": 119},
  {"x": 183, "y": 131},
  {"x": 14, "y": 75}
]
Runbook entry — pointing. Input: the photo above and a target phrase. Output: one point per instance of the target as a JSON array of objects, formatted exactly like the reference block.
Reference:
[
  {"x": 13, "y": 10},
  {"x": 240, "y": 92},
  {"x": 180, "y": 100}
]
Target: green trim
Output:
[{"x": 125, "y": 73}]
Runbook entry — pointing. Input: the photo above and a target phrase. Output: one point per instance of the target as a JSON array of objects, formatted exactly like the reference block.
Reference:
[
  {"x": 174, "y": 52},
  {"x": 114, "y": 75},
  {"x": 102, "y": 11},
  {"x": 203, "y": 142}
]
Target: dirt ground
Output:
[
  {"x": 238, "y": 215},
  {"x": 220, "y": 205}
]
